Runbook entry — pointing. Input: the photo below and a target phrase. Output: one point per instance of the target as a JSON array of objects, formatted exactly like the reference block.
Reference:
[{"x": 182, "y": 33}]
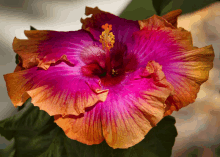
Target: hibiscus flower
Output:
[{"x": 112, "y": 80}]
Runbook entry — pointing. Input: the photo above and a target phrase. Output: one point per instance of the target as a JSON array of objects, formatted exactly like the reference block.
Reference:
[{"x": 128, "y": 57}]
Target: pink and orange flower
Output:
[{"x": 112, "y": 80}]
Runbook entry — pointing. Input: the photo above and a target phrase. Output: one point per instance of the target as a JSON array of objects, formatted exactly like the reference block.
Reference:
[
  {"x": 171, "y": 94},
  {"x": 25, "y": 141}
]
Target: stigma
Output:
[{"x": 107, "y": 38}]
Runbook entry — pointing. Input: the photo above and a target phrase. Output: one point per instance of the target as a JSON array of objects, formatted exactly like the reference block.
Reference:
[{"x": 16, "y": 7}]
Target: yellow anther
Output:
[
  {"x": 107, "y": 38},
  {"x": 114, "y": 72}
]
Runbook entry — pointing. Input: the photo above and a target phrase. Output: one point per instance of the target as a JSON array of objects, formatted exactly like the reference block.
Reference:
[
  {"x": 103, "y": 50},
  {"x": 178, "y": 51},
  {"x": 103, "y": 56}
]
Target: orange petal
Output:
[
  {"x": 188, "y": 71},
  {"x": 182, "y": 36},
  {"x": 19, "y": 67},
  {"x": 172, "y": 16},
  {"x": 27, "y": 51},
  {"x": 59, "y": 90},
  {"x": 90, "y": 22},
  {"x": 17, "y": 86},
  {"x": 85, "y": 128},
  {"x": 42, "y": 48},
  {"x": 64, "y": 102},
  {"x": 154, "y": 22},
  {"x": 45, "y": 64}
]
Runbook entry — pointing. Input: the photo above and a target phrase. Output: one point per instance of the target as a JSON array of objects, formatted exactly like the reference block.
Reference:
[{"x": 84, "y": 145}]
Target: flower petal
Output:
[
  {"x": 93, "y": 54},
  {"x": 186, "y": 67},
  {"x": 59, "y": 90},
  {"x": 160, "y": 45},
  {"x": 154, "y": 22},
  {"x": 172, "y": 16},
  {"x": 85, "y": 128},
  {"x": 186, "y": 73},
  {"x": 129, "y": 113},
  {"x": 45, "y": 47},
  {"x": 121, "y": 28},
  {"x": 126, "y": 116}
]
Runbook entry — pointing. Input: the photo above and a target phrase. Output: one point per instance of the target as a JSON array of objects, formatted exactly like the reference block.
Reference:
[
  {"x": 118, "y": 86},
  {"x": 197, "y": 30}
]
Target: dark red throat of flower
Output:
[{"x": 108, "y": 62}]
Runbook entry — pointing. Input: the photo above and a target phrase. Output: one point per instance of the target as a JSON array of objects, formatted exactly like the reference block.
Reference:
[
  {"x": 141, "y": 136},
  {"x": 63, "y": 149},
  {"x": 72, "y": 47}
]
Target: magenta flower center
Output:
[{"x": 108, "y": 62}]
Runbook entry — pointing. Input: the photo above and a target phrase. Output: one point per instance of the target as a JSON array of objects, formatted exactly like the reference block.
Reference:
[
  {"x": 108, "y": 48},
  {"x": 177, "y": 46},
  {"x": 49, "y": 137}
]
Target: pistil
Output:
[
  {"x": 108, "y": 62},
  {"x": 107, "y": 39}
]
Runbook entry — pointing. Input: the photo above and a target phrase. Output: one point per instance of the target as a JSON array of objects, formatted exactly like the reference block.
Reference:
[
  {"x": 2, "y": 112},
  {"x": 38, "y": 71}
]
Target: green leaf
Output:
[
  {"x": 142, "y": 9},
  {"x": 16, "y": 59},
  {"x": 5, "y": 129},
  {"x": 32, "y": 28},
  {"x": 9, "y": 151},
  {"x": 159, "y": 5},
  {"x": 37, "y": 142},
  {"x": 138, "y": 10},
  {"x": 27, "y": 102},
  {"x": 29, "y": 118},
  {"x": 188, "y": 6},
  {"x": 8, "y": 134},
  {"x": 36, "y": 134}
]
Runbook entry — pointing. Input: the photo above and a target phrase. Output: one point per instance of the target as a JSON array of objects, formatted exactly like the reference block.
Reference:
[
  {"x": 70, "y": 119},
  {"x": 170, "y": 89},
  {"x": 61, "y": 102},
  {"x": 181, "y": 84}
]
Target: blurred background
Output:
[{"x": 198, "y": 125}]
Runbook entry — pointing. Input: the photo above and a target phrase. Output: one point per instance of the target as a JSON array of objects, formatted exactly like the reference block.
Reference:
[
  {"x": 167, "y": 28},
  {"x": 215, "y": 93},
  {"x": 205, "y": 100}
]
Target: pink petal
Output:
[
  {"x": 59, "y": 90},
  {"x": 134, "y": 107},
  {"x": 121, "y": 28},
  {"x": 186, "y": 67},
  {"x": 43, "y": 48}
]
